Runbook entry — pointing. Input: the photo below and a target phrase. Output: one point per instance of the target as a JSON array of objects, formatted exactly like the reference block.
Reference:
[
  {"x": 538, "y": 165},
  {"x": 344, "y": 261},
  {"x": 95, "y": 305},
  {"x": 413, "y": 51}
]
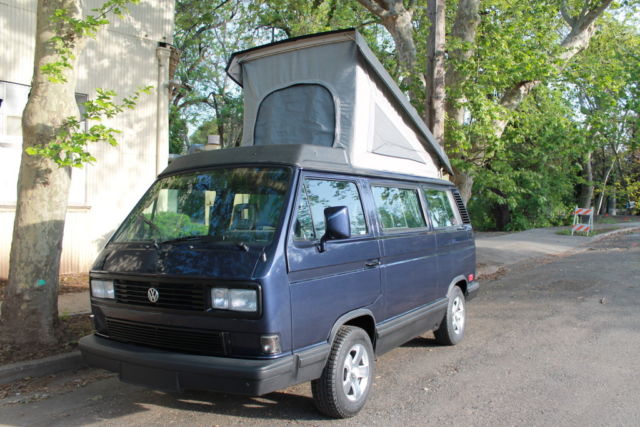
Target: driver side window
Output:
[{"x": 315, "y": 196}]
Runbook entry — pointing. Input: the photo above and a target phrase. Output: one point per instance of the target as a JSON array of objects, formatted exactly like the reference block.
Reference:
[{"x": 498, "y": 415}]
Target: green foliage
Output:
[
  {"x": 207, "y": 33},
  {"x": 516, "y": 42},
  {"x": 300, "y": 17},
  {"x": 596, "y": 231},
  {"x": 200, "y": 136},
  {"x": 604, "y": 85},
  {"x": 533, "y": 177},
  {"x": 178, "y": 131},
  {"x": 69, "y": 148}
]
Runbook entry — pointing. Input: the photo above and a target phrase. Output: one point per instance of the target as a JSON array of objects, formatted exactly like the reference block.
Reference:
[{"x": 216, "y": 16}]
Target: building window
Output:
[{"x": 13, "y": 99}]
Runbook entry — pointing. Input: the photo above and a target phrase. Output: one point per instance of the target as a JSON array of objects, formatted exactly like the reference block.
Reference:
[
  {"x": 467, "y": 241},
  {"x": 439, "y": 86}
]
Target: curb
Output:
[
  {"x": 41, "y": 367},
  {"x": 623, "y": 229},
  {"x": 490, "y": 270}
]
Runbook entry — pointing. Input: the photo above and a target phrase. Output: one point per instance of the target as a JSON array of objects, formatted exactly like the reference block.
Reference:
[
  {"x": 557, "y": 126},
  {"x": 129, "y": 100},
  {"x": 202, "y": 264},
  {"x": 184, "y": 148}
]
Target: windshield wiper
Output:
[
  {"x": 241, "y": 245},
  {"x": 184, "y": 239}
]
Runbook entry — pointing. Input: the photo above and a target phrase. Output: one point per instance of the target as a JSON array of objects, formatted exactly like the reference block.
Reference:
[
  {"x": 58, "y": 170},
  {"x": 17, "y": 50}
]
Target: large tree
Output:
[
  {"x": 51, "y": 144},
  {"x": 607, "y": 93},
  {"x": 206, "y": 34},
  {"x": 517, "y": 37}
]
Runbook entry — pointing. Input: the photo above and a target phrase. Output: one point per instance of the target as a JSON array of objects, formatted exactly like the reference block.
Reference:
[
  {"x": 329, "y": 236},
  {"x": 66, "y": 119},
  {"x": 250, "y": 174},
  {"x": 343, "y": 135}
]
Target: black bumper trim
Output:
[
  {"x": 165, "y": 370},
  {"x": 472, "y": 290}
]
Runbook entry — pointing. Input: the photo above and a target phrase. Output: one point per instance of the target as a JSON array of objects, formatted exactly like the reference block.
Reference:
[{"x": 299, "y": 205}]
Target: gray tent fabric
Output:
[
  {"x": 263, "y": 75},
  {"x": 388, "y": 141},
  {"x": 298, "y": 114},
  {"x": 373, "y": 120}
]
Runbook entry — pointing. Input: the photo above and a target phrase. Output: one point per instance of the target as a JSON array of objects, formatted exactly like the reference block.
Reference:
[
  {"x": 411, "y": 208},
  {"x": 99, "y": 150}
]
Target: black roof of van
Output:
[{"x": 305, "y": 156}]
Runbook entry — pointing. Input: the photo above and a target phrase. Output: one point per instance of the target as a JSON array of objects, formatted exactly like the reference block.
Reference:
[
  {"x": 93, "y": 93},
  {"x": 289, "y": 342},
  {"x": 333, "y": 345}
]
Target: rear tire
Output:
[
  {"x": 451, "y": 331},
  {"x": 344, "y": 386}
]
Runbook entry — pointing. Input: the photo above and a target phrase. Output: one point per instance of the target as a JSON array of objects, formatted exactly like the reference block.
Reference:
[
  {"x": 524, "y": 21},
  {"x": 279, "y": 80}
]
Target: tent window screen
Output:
[{"x": 299, "y": 114}]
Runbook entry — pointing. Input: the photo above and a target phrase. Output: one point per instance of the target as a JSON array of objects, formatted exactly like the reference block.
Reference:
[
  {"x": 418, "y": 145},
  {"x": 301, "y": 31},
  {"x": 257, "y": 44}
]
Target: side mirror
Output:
[{"x": 338, "y": 226}]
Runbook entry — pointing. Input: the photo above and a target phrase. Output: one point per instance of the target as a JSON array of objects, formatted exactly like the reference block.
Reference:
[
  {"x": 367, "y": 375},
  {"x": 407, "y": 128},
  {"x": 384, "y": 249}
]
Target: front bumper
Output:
[{"x": 169, "y": 371}]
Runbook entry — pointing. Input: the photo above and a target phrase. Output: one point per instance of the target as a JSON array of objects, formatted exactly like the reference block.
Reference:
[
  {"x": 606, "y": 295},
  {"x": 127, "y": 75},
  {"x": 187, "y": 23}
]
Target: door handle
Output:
[{"x": 373, "y": 263}]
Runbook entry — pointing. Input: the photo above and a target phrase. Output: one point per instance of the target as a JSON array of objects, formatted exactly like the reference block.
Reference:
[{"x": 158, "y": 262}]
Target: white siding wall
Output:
[{"x": 122, "y": 58}]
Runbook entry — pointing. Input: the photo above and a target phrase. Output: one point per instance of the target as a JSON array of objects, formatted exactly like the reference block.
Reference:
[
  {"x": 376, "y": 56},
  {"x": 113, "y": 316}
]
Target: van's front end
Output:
[{"x": 191, "y": 291}]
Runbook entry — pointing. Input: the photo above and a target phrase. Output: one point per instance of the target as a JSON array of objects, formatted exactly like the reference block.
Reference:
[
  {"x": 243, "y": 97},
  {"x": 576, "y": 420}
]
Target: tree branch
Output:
[
  {"x": 589, "y": 15},
  {"x": 412, "y": 6},
  {"x": 565, "y": 14},
  {"x": 374, "y": 8}
]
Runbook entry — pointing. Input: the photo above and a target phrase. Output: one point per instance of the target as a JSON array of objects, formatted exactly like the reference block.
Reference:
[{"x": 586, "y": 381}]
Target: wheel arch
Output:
[
  {"x": 459, "y": 281},
  {"x": 362, "y": 318}
]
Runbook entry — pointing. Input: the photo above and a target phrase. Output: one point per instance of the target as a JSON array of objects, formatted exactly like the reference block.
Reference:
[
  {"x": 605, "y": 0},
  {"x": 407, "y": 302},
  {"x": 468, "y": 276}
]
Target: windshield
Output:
[{"x": 239, "y": 205}]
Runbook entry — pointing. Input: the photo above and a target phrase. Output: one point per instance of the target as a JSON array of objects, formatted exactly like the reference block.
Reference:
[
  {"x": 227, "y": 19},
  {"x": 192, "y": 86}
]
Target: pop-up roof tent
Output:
[{"x": 330, "y": 90}]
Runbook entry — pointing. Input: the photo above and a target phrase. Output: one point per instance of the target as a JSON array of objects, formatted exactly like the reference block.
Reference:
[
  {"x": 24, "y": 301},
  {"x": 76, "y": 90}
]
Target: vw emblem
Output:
[{"x": 153, "y": 295}]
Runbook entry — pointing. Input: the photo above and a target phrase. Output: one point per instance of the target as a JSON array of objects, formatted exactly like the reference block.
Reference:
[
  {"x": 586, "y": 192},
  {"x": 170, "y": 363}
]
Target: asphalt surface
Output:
[{"x": 552, "y": 342}]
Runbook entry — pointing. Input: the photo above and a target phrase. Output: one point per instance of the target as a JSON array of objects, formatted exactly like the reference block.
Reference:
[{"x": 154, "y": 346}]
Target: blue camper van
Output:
[{"x": 326, "y": 240}]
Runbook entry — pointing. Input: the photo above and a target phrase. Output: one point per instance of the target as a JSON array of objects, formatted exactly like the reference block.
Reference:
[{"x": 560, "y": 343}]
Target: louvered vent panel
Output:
[
  {"x": 184, "y": 340},
  {"x": 462, "y": 208}
]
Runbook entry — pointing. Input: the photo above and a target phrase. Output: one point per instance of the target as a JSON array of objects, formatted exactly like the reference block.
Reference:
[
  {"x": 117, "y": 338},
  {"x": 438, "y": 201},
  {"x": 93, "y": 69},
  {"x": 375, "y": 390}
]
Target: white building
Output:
[{"x": 129, "y": 54}]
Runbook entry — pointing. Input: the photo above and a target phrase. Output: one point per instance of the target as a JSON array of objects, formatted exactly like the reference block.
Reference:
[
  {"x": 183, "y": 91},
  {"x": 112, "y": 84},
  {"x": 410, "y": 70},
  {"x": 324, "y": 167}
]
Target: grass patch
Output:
[
  {"x": 606, "y": 220},
  {"x": 567, "y": 232}
]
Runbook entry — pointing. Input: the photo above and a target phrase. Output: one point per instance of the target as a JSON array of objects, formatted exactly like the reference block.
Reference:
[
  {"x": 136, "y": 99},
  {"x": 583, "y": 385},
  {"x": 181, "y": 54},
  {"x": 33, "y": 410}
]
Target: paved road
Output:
[{"x": 555, "y": 342}]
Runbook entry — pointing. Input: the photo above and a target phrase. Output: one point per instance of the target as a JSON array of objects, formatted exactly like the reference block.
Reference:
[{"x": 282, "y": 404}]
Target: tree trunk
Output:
[
  {"x": 585, "y": 199},
  {"x": 397, "y": 19},
  {"x": 502, "y": 215},
  {"x": 604, "y": 187},
  {"x": 464, "y": 181},
  {"x": 29, "y": 312},
  {"x": 435, "y": 75},
  {"x": 464, "y": 29}
]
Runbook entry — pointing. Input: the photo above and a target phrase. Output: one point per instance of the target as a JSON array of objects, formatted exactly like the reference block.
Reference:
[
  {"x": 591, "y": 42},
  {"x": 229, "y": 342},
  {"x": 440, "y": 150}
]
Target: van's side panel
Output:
[
  {"x": 457, "y": 254},
  {"x": 409, "y": 264},
  {"x": 326, "y": 285},
  {"x": 409, "y": 271},
  {"x": 455, "y": 249}
]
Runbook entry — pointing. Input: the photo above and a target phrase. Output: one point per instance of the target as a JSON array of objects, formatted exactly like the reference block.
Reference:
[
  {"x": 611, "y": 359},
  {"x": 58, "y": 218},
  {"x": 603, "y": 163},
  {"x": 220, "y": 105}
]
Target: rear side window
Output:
[
  {"x": 440, "y": 208},
  {"x": 398, "y": 208},
  {"x": 315, "y": 196}
]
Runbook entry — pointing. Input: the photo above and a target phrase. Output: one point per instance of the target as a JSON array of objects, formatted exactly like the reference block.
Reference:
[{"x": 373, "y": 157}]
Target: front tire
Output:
[
  {"x": 344, "y": 386},
  {"x": 451, "y": 331}
]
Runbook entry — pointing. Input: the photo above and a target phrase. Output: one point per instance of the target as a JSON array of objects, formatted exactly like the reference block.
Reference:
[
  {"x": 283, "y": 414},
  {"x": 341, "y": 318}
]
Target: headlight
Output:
[
  {"x": 234, "y": 299},
  {"x": 102, "y": 289}
]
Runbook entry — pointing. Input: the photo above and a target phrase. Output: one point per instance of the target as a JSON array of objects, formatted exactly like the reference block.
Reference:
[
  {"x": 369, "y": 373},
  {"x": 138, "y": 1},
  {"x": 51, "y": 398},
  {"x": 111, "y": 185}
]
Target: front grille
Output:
[
  {"x": 185, "y": 340},
  {"x": 179, "y": 296},
  {"x": 464, "y": 214}
]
